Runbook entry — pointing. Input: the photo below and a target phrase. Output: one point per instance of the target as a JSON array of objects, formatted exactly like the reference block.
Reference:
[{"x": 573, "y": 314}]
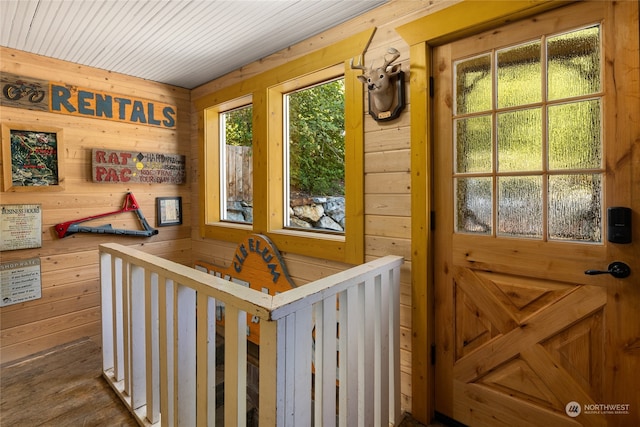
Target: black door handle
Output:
[{"x": 617, "y": 269}]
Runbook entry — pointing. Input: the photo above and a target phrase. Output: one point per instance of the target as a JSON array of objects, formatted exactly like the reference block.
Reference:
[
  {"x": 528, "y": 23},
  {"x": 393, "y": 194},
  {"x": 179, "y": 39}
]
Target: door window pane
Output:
[
  {"x": 474, "y": 210},
  {"x": 520, "y": 206},
  {"x": 520, "y": 140},
  {"x": 519, "y": 67},
  {"x": 575, "y": 135},
  {"x": 574, "y": 63},
  {"x": 575, "y": 207},
  {"x": 473, "y": 144},
  {"x": 473, "y": 85},
  {"x": 508, "y": 159},
  {"x": 237, "y": 165}
]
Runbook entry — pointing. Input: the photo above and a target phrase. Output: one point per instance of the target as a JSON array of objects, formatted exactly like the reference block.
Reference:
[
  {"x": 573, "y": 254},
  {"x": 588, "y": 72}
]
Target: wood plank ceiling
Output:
[{"x": 179, "y": 42}]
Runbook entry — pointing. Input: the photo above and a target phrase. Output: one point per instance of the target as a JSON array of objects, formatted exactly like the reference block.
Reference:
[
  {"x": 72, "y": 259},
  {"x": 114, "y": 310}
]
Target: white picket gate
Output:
[{"x": 159, "y": 344}]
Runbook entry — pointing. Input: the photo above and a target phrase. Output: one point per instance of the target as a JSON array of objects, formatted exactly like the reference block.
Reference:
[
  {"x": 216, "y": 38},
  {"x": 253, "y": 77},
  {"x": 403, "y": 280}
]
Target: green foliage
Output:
[
  {"x": 316, "y": 139},
  {"x": 238, "y": 128}
]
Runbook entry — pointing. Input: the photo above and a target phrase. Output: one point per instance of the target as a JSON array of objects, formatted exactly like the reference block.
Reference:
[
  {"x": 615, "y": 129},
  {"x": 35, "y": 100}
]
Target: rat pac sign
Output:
[
  {"x": 118, "y": 166},
  {"x": 257, "y": 264}
]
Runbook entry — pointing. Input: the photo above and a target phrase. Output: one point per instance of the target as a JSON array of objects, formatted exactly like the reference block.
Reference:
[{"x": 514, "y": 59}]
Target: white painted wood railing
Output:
[{"x": 159, "y": 339}]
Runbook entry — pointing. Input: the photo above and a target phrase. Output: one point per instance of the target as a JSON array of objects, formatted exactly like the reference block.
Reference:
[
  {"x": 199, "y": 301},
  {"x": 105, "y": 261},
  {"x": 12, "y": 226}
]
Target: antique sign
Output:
[
  {"x": 20, "y": 227},
  {"x": 20, "y": 281},
  {"x": 32, "y": 152},
  {"x": 117, "y": 166},
  {"x": 61, "y": 98},
  {"x": 257, "y": 264}
]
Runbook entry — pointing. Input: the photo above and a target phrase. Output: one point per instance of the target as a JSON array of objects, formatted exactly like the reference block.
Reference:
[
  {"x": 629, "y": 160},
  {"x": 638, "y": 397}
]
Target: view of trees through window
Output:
[
  {"x": 315, "y": 160},
  {"x": 316, "y": 139},
  {"x": 315, "y": 156},
  {"x": 237, "y": 164}
]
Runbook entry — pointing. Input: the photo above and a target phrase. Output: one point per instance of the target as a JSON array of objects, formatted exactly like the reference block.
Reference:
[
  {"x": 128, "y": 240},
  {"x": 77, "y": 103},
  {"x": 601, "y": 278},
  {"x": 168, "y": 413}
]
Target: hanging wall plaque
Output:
[
  {"x": 20, "y": 227},
  {"x": 20, "y": 281}
]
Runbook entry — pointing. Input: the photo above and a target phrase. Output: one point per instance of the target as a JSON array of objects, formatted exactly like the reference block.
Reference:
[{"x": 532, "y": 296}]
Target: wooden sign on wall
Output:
[
  {"x": 117, "y": 166},
  {"x": 62, "y": 98},
  {"x": 20, "y": 281},
  {"x": 257, "y": 264},
  {"x": 20, "y": 227}
]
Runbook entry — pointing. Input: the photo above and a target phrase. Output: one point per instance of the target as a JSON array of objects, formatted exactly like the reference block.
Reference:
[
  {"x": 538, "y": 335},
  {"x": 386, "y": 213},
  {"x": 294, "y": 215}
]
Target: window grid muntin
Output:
[{"x": 544, "y": 105}]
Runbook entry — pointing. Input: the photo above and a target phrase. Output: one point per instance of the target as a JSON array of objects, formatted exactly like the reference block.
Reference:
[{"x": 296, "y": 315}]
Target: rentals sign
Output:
[{"x": 35, "y": 94}]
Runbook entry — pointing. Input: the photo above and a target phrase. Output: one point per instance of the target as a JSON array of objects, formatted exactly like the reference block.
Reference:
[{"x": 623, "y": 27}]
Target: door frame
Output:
[{"x": 460, "y": 20}]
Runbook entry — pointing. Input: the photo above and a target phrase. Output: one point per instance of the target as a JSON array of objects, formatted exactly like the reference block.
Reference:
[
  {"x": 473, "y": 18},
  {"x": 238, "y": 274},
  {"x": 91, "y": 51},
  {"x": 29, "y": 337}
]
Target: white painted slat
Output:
[
  {"x": 394, "y": 342},
  {"x": 118, "y": 332},
  {"x": 318, "y": 361},
  {"x": 329, "y": 357},
  {"x": 170, "y": 414},
  {"x": 186, "y": 355},
  {"x": 202, "y": 364},
  {"x": 289, "y": 361},
  {"x": 126, "y": 328},
  {"x": 211, "y": 362},
  {"x": 302, "y": 367},
  {"x": 152, "y": 346},
  {"x": 106, "y": 284},
  {"x": 138, "y": 339},
  {"x": 382, "y": 371},
  {"x": 349, "y": 357},
  {"x": 235, "y": 368},
  {"x": 268, "y": 391},
  {"x": 367, "y": 360}
]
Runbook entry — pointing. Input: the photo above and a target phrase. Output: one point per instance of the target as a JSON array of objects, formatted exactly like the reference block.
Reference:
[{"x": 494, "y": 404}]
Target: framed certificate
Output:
[{"x": 168, "y": 211}]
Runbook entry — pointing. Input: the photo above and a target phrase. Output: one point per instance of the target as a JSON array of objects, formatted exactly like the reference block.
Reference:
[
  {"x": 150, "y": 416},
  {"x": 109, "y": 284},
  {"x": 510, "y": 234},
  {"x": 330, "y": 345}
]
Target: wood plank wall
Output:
[
  {"x": 387, "y": 168},
  {"x": 69, "y": 307},
  {"x": 70, "y": 303}
]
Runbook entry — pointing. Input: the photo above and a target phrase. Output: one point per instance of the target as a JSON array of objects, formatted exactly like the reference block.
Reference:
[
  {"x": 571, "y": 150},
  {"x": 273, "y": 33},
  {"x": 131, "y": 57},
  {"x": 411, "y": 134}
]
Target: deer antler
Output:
[
  {"x": 360, "y": 65},
  {"x": 396, "y": 55}
]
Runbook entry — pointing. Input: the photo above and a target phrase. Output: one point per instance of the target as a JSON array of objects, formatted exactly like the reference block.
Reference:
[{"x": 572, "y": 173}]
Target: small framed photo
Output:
[
  {"x": 35, "y": 154},
  {"x": 168, "y": 211}
]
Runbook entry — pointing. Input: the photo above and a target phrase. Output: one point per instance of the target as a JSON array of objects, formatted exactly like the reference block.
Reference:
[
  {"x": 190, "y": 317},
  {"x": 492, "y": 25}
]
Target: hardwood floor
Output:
[
  {"x": 64, "y": 387},
  {"x": 61, "y": 387}
]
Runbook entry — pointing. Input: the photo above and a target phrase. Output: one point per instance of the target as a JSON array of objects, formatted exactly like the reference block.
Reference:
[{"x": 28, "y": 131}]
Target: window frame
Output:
[{"x": 266, "y": 91}]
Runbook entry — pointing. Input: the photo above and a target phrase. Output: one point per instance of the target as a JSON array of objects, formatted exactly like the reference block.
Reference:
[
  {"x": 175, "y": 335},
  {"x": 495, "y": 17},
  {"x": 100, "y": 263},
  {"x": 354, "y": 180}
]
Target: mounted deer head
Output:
[{"x": 379, "y": 80}]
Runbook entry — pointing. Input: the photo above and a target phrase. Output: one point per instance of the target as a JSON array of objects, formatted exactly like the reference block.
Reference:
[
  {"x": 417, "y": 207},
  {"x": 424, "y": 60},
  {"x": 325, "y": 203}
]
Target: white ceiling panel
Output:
[{"x": 180, "y": 42}]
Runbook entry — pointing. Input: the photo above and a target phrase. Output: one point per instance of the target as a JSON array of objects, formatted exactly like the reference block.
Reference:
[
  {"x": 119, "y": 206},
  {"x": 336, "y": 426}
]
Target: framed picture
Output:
[
  {"x": 35, "y": 154},
  {"x": 168, "y": 211}
]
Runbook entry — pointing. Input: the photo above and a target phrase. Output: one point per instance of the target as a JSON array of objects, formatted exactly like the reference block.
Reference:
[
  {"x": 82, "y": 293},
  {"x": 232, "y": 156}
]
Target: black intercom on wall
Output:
[{"x": 619, "y": 225}]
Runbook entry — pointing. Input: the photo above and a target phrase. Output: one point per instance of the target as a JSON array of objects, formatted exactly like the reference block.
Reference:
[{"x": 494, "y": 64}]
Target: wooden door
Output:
[{"x": 537, "y": 130}]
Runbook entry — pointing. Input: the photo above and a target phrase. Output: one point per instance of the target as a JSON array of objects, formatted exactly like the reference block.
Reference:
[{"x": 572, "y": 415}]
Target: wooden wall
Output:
[
  {"x": 69, "y": 307},
  {"x": 70, "y": 303},
  {"x": 387, "y": 168}
]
